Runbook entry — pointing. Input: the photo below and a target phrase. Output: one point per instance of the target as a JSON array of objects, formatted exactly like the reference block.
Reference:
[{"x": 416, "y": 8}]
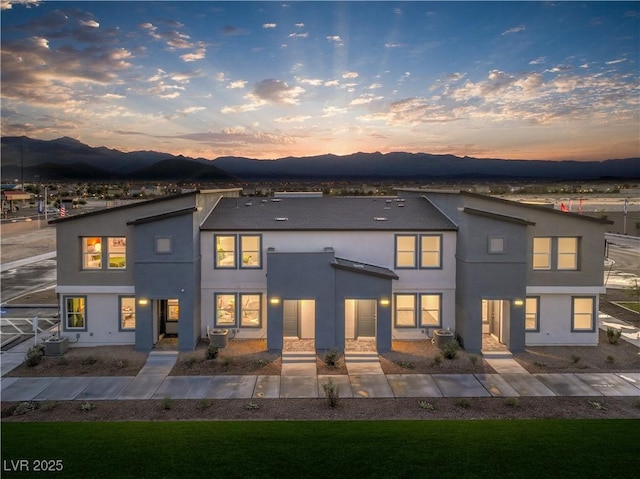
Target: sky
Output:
[{"x": 512, "y": 80}]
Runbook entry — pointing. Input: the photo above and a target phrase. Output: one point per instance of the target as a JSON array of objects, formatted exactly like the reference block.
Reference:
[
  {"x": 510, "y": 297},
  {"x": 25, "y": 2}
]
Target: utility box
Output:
[
  {"x": 56, "y": 346},
  {"x": 442, "y": 337},
  {"x": 219, "y": 337}
]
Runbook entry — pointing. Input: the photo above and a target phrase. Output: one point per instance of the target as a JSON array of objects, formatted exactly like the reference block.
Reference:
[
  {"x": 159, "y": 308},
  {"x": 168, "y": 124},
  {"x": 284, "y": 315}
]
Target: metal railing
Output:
[{"x": 22, "y": 329}]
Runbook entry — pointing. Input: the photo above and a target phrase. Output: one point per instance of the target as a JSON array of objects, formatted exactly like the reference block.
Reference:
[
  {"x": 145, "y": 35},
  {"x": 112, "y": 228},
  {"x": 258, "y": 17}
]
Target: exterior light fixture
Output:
[
  {"x": 384, "y": 302},
  {"x": 518, "y": 302},
  {"x": 143, "y": 301},
  {"x": 274, "y": 300}
]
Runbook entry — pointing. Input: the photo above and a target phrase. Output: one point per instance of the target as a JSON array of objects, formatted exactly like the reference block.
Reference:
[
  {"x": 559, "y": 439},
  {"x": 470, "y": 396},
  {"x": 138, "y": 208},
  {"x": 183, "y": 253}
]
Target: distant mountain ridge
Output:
[{"x": 68, "y": 159}]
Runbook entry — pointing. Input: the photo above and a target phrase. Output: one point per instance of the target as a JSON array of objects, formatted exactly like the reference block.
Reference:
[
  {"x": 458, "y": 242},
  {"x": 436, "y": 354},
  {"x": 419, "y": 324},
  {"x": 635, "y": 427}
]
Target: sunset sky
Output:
[{"x": 525, "y": 80}]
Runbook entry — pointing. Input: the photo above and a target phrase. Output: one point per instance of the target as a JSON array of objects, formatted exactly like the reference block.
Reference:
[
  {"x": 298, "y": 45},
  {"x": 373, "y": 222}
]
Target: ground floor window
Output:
[
  {"x": 405, "y": 310},
  {"x": 532, "y": 314},
  {"x": 245, "y": 306},
  {"x": 75, "y": 315},
  {"x": 430, "y": 310},
  {"x": 583, "y": 314},
  {"x": 127, "y": 313}
]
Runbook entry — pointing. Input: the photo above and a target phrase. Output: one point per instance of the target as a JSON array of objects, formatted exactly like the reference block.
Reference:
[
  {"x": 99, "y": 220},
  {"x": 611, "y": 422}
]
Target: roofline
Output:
[
  {"x": 328, "y": 229},
  {"x": 511, "y": 202},
  {"x": 162, "y": 216},
  {"x": 378, "y": 274},
  {"x": 497, "y": 216},
  {"x": 124, "y": 207}
]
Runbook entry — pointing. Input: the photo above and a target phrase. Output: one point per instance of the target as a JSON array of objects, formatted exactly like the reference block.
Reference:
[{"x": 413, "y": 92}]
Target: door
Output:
[
  {"x": 495, "y": 315},
  {"x": 366, "y": 318},
  {"x": 290, "y": 319},
  {"x": 299, "y": 318}
]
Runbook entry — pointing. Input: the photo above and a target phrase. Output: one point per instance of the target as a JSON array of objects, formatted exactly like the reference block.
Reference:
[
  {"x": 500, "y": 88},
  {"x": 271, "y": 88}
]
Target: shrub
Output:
[
  {"x": 252, "y": 406},
  {"x": 331, "y": 358},
  {"x": 263, "y": 362},
  {"x": 191, "y": 362},
  {"x": 474, "y": 359},
  {"x": 227, "y": 362},
  {"x": 611, "y": 359},
  {"x": 406, "y": 364},
  {"x": 512, "y": 402},
  {"x": 613, "y": 335},
  {"x": 450, "y": 350},
  {"x": 575, "y": 358},
  {"x": 464, "y": 403},
  {"x": 34, "y": 355},
  {"x": 332, "y": 393},
  {"x": 426, "y": 405},
  {"x": 437, "y": 361},
  {"x": 212, "y": 351},
  {"x": 204, "y": 403},
  {"x": 25, "y": 407},
  {"x": 120, "y": 363},
  {"x": 88, "y": 361},
  {"x": 87, "y": 406},
  {"x": 166, "y": 403},
  {"x": 597, "y": 405},
  {"x": 48, "y": 405}
]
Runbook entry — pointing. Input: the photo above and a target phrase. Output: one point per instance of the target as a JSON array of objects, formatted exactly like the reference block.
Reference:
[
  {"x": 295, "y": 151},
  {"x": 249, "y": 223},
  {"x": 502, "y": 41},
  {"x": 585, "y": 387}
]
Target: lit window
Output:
[
  {"x": 250, "y": 310},
  {"x": 92, "y": 253},
  {"x": 583, "y": 314},
  {"x": 225, "y": 309},
  {"x": 127, "y": 313},
  {"x": 567, "y": 253},
  {"x": 250, "y": 251},
  {"x": 531, "y": 314},
  {"x": 430, "y": 310},
  {"x": 225, "y": 251},
  {"x": 496, "y": 244},
  {"x": 75, "y": 313},
  {"x": 406, "y": 251},
  {"x": 541, "y": 253},
  {"x": 117, "y": 251},
  {"x": 430, "y": 246},
  {"x": 405, "y": 310}
]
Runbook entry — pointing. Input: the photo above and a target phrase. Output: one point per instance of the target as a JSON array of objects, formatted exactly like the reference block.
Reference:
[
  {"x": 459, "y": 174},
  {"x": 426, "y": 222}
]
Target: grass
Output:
[
  {"x": 632, "y": 305},
  {"x": 380, "y": 449}
]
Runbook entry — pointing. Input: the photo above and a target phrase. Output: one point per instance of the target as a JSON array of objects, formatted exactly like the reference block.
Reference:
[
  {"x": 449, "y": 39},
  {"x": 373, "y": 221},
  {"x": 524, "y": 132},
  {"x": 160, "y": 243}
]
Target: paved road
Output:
[{"x": 25, "y": 278}]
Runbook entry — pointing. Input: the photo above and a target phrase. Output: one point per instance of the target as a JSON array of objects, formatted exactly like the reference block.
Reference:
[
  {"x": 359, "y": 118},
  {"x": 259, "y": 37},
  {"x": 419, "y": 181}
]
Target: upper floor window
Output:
[
  {"x": 430, "y": 251},
  {"x": 567, "y": 253},
  {"x": 95, "y": 248},
  {"x": 233, "y": 251},
  {"x": 541, "y": 253},
  {"x": 427, "y": 254}
]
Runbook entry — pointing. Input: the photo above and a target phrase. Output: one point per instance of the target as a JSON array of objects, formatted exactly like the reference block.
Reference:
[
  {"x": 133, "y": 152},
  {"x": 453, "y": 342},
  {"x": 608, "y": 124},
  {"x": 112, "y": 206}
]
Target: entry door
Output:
[
  {"x": 291, "y": 326},
  {"x": 299, "y": 318},
  {"x": 366, "y": 318}
]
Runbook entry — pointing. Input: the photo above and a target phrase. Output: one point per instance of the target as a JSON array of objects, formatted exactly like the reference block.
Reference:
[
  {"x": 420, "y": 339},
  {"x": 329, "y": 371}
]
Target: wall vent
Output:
[
  {"x": 282, "y": 218},
  {"x": 381, "y": 218}
]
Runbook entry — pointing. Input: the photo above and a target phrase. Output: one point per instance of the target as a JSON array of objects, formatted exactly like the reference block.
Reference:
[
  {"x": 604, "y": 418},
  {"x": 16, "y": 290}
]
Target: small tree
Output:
[{"x": 634, "y": 292}]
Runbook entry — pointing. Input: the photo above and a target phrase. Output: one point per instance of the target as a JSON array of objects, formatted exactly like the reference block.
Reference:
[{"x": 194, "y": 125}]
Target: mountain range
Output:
[{"x": 66, "y": 159}]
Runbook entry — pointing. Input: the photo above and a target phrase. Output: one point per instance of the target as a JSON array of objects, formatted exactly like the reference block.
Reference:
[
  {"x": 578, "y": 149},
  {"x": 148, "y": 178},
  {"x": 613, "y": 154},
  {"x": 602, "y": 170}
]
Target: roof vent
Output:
[
  {"x": 263, "y": 201},
  {"x": 381, "y": 218},
  {"x": 282, "y": 218},
  {"x": 276, "y": 200},
  {"x": 400, "y": 205},
  {"x": 248, "y": 203},
  {"x": 358, "y": 265},
  {"x": 389, "y": 201}
]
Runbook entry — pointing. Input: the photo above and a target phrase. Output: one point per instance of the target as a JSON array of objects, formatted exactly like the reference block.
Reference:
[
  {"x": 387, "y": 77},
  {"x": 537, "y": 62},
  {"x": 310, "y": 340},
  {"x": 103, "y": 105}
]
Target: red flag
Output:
[
  {"x": 63, "y": 211},
  {"x": 563, "y": 207}
]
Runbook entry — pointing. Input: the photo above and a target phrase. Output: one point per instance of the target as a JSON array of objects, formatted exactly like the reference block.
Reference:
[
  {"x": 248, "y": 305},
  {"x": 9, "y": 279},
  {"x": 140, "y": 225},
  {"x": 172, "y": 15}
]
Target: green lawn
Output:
[
  {"x": 632, "y": 305},
  {"x": 364, "y": 449}
]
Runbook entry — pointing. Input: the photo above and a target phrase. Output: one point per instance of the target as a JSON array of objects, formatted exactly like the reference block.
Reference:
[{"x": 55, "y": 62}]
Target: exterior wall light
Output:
[
  {"x": 143, "y": 301},
  {"x": 384, "y": 302},
  {"x": 274, "y": 300},
  {"x": 518, "y": 302}
]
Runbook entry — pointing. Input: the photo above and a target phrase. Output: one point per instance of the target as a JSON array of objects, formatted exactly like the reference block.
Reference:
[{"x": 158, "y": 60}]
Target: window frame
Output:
[
  {"x": 216, "y": 323},
  {"x": 241, "y": 310},
  {"x": 396, "y": 252},
  {"x": 157, "y": 250},
  {"x": 120, "y": 319},
  {"x": 548, "y": 254},
  {"x": 593, "y": 315},
  {"x": 497, "y": 237},
  {"x": 65, "y": 325},
  {"x": 421, "y": 297},
  {"x": 84, "y": 248},
  {"x": 574, "y": 254},
  {"x": 422, "y": 251},
  {"x": 241, "y": 252},
  {"x": 395, "y": 311},
  {"x": 216, "y": 251},
  {"x": 537, "y": 315},
  {"x": 109, "y": 253}
]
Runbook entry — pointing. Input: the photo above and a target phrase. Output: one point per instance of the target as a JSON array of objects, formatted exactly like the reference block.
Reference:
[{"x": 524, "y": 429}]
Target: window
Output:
[
  {"x": 496, "y": 244},
  {"x": 225, "y": 309},
  {"x": 430, "y": 249},
  {"x": 405, "y": 310},
  {"x": 117, "y": 252},
  {"x": 583, "y": 314},
  {"x": 225, "y": 251},
  {"x": 405, "y": 251},
  {"x": 541, "y": 253},
  {"x": 250, "y": 310},
  {"x": 75, "y": 313},
  {"x": 430, "y": 310},
  {"x": 568, "y": 253},
  {"x": 250, "y": 251},
  {"x": 531, "y": 314},
  {"x": 92, "y": 253},
  {"x": 127, "y": 313},
  {"x": 164, "y": 245}
]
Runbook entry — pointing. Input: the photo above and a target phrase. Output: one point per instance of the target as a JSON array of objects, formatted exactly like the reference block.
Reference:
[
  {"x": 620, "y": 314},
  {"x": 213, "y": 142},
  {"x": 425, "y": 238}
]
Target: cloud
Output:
[
  {"x": 90, "y": 23},
  {"x": 276, "y": 91},
  {"x": 538, "y": 61},
  {"x": 349, "y": 74},
  {"x": 374, "y": 86},
  {"x": 559, "y": 68},
  {"x": 330, "y": 111},
  {"x": 292, "y": 119},
  {"x": 365, "y": 99},
  {"x": 394, "y": 45},
  {"x": 613, "y": 62},
  {"x": 335, "y": 39},
  {"x": 311, "y": 81},
  {"x": 298, "y": 35},
  {"x": 299, "y": 25},
  {"x": 519, "y": 28},
  {"x": 237, "y": 84},
  {"x": 269, "y": 25},
  {"x": 199, "y": 54}
]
